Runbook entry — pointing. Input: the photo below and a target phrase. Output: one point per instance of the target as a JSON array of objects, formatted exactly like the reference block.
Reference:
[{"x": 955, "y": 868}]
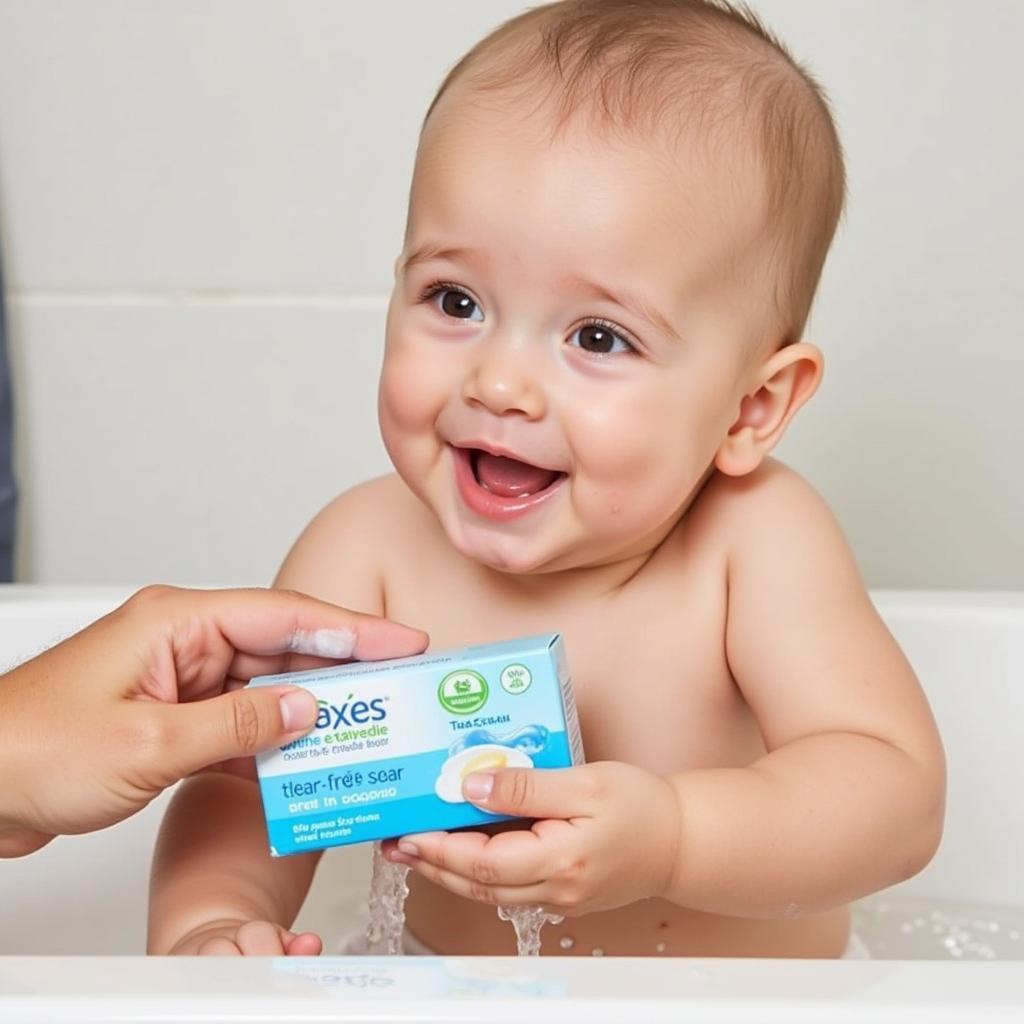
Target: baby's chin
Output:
[
  {"x": 522, "y": 556},
  {"x": 512, "y": 556}
]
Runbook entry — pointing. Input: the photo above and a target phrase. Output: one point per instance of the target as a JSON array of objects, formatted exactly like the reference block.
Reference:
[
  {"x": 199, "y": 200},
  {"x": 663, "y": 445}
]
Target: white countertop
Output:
[{"x": 497, "y": 989}]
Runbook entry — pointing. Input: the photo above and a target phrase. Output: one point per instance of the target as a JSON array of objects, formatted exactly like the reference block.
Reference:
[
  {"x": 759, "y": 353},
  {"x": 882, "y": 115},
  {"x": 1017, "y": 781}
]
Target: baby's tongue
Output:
[{"x": 510, "y": 478}]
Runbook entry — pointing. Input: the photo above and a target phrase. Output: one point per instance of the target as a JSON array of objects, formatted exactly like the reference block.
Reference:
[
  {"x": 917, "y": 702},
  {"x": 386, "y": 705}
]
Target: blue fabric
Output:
[{"x": 8, "y": 488}]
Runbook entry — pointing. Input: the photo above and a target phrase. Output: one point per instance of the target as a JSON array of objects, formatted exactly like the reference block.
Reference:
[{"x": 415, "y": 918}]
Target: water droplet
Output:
[
  {"x": 660, "y": 947},
  {"x": 597, "y": 951},
  {"x": 567, "y": 942}
]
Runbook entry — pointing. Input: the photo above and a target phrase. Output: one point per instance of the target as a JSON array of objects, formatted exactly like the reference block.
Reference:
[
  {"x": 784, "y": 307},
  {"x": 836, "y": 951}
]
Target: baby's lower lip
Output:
[{"x": 487, "y": 504}]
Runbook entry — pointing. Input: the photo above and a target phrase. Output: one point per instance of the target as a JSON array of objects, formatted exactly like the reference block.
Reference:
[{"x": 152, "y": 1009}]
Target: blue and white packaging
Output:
[{"x": 394, "y": 740}]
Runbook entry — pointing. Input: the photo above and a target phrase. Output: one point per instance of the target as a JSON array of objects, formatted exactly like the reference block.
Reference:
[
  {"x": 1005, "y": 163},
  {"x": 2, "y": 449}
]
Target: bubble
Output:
[
  {"x": 597, "y": 951},
  {"x": 660, "y": 947},
  {"x": 567, "y": 942}
]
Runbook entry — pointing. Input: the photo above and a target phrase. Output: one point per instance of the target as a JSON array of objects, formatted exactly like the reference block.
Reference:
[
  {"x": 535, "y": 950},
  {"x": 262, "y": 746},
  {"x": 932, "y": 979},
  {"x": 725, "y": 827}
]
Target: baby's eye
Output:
[
  {"x": 456, "y": 303},
  {"x": 599, "y": 339}
]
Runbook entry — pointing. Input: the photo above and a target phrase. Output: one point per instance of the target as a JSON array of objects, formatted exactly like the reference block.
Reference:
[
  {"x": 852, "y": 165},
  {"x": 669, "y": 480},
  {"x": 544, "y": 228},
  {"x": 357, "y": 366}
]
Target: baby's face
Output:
[{"x": 569, "y": 338}]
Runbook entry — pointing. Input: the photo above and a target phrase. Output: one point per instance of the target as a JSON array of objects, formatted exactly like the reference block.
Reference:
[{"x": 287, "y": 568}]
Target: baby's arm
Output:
[
  {"x": 847, "y": 800},
  {"x": 215, "y": 888},
  {"x": 213, "y": 876}
]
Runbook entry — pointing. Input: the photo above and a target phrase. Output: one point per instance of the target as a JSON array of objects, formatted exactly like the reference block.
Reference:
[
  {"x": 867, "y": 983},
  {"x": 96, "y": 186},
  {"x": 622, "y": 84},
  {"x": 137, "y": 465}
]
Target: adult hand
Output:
[
  {"x": 608, "y": 835},
  {"x": 94, "y": 728}
]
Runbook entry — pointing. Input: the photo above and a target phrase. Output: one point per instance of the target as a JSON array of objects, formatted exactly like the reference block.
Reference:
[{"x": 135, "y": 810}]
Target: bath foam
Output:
[{"x": 394, "y": 740}]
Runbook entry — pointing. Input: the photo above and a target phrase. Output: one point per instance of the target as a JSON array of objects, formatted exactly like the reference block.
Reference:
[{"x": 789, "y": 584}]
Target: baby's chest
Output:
[
  {"x": 661, "y": 700},
  {"x": 652, "y": 684}
]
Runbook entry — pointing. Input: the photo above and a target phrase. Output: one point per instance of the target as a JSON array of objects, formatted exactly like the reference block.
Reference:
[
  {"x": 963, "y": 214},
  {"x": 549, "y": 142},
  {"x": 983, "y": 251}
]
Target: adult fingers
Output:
[
  {"x": 244, "y": 666},
  {"x": 266, "y": 622}
]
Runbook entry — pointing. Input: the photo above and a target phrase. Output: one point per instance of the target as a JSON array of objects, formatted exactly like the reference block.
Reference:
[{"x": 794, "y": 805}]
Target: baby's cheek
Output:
[
  {"x": 632, "y": 478},
  {"x": 406, "y": 400}
]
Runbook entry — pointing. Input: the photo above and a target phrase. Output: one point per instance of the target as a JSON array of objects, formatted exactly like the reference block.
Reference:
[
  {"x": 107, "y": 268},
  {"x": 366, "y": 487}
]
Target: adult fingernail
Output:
[
  {"x": 409, "y": 849},
  {"x": 477, "y": 787},
  {"x": 298, "y": 710}
]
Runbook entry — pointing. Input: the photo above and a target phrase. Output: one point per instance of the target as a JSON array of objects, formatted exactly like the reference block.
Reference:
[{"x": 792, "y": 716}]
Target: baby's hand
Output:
[
  {"x": 609, "y": 836},
  {"x": 249, "y": 938}
]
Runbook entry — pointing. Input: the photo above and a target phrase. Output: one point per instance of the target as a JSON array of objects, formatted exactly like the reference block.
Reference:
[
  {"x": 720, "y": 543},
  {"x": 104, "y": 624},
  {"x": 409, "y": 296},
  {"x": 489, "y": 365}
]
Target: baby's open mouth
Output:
[
  {"x": 509, "y": 478},
  {"x": 502, "y": 487}
]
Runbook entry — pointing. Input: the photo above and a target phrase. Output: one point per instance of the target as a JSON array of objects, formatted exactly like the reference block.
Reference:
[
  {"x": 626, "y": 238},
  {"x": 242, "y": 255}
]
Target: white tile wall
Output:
[
  {"x": 200, "y": 201},
  {"x": 210, "y": 144},
  {"x": 188, "y": 444}
]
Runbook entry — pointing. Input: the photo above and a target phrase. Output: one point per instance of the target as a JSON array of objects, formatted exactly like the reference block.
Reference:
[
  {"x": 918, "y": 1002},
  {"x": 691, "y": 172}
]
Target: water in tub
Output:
[{"x": 479, "y": 750}]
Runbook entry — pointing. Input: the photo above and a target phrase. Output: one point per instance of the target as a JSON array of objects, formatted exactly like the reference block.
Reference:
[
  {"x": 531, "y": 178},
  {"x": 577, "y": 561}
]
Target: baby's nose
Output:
[{"x": 504, "y": 382}]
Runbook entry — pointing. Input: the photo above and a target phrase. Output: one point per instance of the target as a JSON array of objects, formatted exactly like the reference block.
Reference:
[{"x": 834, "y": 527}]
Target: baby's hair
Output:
[{"x": 639, "y": 66}]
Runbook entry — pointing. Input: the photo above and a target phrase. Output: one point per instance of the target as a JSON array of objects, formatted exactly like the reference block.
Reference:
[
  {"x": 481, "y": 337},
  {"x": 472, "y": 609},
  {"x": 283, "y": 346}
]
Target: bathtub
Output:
[{"x": 943, "y": 942}]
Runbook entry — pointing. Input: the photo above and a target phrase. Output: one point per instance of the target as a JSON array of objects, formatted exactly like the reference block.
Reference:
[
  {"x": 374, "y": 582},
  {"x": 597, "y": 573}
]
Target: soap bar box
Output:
[{"x": 394, "y": 740}]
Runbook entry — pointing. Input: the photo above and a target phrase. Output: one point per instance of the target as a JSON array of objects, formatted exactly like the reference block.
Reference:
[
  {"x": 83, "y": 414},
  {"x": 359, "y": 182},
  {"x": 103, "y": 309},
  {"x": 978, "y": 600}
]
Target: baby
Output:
[{"x": 619, "y": 213}]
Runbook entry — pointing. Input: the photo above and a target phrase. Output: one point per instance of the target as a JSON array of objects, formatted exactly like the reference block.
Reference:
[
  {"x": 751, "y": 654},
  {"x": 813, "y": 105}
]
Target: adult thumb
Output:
[{"x": 236, "y": 724}]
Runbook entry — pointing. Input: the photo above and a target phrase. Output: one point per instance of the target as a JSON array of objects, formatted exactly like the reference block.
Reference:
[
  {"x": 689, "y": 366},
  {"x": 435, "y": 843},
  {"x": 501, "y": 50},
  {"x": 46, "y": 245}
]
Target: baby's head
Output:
[{"x": 619, "y": 213}]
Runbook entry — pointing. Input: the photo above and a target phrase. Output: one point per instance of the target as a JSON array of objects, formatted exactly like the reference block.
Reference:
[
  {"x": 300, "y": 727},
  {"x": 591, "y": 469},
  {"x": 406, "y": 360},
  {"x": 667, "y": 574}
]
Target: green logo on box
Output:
[
  {"x": 516, "y": 679},
  {"x": 463, "y": 692}
]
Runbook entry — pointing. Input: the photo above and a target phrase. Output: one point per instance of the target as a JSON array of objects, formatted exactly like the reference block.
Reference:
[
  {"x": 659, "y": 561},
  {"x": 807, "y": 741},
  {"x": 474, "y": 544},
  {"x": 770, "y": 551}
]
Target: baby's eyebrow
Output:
[
  {"x": 428, "y": 252},
  {"x": 632, "y": 303}
]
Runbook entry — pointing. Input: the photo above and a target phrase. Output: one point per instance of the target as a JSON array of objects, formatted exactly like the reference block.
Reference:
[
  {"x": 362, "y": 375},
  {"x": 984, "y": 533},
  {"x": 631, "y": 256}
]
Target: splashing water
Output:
[
  {"x": 896, "y": 927},
  {"x": 388, "y": 890},
  {"x": 528, "y": 922}
]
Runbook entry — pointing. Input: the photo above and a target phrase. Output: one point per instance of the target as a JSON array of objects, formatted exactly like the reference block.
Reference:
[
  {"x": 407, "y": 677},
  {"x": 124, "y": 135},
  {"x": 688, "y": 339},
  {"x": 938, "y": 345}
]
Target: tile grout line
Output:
[{"x": 195, "y": 297}]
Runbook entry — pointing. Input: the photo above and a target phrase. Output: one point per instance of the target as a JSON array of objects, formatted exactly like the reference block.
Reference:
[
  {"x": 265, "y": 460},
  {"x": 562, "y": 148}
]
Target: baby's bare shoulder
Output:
[
  {"x": 772, "y": 497},
  {"x": 341, "y": 554},
  {"x": 376, "y": 507}
]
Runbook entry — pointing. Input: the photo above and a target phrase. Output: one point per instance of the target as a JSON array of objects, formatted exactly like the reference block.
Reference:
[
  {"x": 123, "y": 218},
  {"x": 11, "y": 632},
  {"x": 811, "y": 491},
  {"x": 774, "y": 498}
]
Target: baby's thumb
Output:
[
  {"x": 525, "y": 792},
  {"x": 236, "y": 724}
]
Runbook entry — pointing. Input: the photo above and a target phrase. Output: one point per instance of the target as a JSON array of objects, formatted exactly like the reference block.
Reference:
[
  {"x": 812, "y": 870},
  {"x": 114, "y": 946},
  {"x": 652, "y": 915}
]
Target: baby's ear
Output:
[{"x": 786, "y": 380}]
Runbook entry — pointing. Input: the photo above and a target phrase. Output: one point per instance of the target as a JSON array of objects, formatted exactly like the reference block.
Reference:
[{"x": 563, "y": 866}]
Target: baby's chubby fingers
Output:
[
  {"x": 261, "y": 938},
  {"x": 219, "y": 945},
  {"x": 258, "y": 938},
  {"x": 465, "y": 885},
  {"x": 507, "y": 859},
  {"x": 303, "y": 944}
]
